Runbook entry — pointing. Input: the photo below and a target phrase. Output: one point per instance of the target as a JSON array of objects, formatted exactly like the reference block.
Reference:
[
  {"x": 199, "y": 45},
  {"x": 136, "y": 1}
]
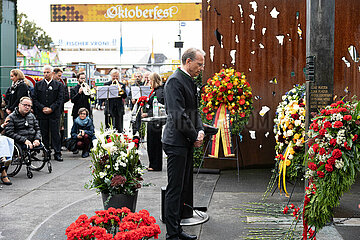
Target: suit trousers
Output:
[
  {"x": 179, "y": 191},
  {"x": 50, "y": 127},
  {"x": 117, "y": 122},
  {"x": 154, "y": 145}
]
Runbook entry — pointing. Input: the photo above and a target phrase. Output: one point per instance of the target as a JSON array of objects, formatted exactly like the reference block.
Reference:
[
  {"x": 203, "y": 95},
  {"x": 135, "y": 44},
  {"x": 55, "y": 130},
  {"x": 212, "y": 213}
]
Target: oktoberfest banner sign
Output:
[{"x": 125, "y": 12}]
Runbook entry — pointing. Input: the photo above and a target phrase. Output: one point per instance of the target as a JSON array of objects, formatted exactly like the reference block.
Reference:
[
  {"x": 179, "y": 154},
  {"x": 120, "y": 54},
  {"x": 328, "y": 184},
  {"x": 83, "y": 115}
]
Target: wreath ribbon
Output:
[
  {"x": 282, "y": 169},
  {"x": 224, "y": 133}
]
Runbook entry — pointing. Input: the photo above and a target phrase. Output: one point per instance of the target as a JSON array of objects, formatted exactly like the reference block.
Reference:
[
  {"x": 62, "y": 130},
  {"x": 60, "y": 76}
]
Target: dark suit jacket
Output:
[
  {"x": 48, "y": 96},
  {"x": 115, "y": 105},
  {"x": 13, "y": 95},
  {"x": 183, "y": 121},
  {"x": 79, "y": 100}
]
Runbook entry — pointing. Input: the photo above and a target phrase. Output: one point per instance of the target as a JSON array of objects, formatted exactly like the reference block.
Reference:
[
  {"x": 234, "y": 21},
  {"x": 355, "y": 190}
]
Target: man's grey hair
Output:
[
  {"x": 48, "y": 67},
  {"x": 114, "y": 70},
  {"x": 191, "y": 53}
]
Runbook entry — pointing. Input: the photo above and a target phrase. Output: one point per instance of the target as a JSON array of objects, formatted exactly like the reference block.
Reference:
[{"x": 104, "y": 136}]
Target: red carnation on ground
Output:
[
  {"x": 347, "y": 117},
  {"x": 320, "y": 174},
  {"x": 209, "y": 116},
  {"x": 286, "y": 210},
  {"x": 217, "y": 83},
  {"x": 336, "y": 153},
  {"x": 229, "y": 86},
  {"x": 242, "y": 102},
  {"x": 338, "y": 124},
  {"x": 205, "y": 109},
  {"x": 230, "y": 97},
  {"x": 242, "y": 115}
]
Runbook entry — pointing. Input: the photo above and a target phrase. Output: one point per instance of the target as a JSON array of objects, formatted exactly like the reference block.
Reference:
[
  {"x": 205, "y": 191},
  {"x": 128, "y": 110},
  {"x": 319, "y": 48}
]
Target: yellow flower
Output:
[
  {"x": 292, "y": 152},
  {"x": 236, "y": 83},
  {"x": 287, "y": 162},
  {"x": 297, "y": 136}
]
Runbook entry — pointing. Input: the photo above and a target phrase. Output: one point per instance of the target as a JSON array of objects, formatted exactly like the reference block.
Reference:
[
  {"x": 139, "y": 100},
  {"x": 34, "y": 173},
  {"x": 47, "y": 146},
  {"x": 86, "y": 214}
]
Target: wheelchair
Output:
[{"x": 31, "y": 158}]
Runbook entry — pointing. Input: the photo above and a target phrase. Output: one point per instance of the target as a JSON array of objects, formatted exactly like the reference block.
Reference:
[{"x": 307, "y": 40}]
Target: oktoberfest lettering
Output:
[{"x": 155, "y": 13}]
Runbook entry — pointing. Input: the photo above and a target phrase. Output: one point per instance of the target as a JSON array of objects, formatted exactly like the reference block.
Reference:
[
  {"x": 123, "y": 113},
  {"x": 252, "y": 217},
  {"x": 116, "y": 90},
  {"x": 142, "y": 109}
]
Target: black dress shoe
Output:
[
  {"x": 58, "y": 158},
  {"x": 185, "y": 236}
]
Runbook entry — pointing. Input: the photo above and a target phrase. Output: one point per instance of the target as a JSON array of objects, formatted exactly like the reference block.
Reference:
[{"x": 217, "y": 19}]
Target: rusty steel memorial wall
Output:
[{"x": 267, "y": 41}]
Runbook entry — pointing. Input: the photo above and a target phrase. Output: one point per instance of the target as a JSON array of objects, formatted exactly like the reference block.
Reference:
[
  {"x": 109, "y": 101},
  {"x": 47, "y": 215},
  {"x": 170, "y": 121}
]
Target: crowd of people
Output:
[{"x": 34, "y": 115}]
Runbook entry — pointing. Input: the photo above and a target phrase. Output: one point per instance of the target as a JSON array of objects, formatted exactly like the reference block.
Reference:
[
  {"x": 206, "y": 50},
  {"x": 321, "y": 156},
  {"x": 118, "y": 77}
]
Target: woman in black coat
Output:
[
  {"x": 17, "y": 90},
  {"x": 154, "y": 129}
]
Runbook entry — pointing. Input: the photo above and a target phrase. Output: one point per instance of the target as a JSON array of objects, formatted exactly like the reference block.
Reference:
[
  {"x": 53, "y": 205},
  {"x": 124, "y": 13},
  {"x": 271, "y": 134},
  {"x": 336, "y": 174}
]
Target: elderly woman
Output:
[
  {"x": 83, "y": 131},
  {"x": 6, "y": 152},
  {"x": 17, "y": 90},
  {"x": 154, "y": 129}
]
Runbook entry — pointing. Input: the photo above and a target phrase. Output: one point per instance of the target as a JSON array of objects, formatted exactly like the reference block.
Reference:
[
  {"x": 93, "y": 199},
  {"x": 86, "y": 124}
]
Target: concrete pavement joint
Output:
[{"x": 58, "y": 211}]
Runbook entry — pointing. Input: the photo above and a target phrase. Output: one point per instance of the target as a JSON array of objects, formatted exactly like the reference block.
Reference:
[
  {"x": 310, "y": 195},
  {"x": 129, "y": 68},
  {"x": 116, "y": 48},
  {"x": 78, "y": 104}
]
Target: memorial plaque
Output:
[{"x": 320, "y": 96}]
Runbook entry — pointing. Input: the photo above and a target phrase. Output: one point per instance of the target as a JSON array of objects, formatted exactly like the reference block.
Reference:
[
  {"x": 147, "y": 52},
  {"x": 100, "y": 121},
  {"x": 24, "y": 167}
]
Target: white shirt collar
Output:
[
  {"x": 182, "y": 69},
  {"x": 48, "y": 82}
]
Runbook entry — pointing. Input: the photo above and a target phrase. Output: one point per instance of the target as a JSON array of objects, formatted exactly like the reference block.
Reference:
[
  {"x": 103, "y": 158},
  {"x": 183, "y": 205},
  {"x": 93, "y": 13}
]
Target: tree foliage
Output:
[{"x": 29, "y": 34}]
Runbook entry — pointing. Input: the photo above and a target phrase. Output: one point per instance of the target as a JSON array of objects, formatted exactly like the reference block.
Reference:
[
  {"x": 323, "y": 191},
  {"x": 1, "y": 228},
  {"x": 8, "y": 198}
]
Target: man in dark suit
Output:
[
  {"x": 78, "y": 97},
  {"x": 48, "y": 99},
  {"x": 114, "y": 107},
  {"x": 183, "y": 131},
  {"x": 58, "y": 77}
]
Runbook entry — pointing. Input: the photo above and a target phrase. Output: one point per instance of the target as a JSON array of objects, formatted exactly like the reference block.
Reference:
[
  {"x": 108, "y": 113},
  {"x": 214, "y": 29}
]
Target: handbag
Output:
[{"x": 70, "y": 144}]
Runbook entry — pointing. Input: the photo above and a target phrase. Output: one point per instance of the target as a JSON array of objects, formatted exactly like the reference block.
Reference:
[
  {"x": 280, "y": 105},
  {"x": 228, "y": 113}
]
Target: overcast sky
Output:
[{"x": 136, "y": 35}]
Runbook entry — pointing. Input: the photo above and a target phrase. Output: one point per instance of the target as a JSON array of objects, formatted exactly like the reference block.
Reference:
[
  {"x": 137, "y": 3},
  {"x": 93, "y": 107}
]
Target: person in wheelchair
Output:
[
  {"x": 23, "y": 126},
  {"x": 83, "y": 132},
  {"x": 6, "y": 152}
]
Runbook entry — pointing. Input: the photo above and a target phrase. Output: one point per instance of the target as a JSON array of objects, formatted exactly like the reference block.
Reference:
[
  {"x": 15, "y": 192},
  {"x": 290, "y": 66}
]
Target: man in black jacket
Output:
[
  {"x": 78, "y": 96},
  {"x": 23, "y": 126},
  {"x": 48, "y": 98},
  {"x": 58, "y": 77},
  {"x": 114, "y": 107},
  {"x": 183, "y": 131}
]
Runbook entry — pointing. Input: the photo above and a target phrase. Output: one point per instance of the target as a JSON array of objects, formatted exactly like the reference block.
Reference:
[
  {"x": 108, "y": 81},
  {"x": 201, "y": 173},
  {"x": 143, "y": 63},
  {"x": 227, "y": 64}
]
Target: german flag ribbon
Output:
[{"x": 222, "y": 123}]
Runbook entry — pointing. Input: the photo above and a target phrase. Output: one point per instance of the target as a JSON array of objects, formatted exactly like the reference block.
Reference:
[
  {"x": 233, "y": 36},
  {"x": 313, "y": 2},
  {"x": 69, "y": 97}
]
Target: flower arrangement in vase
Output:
[
  {"x": 114, "y": 224},
  {"x": 116, "y": 168}
]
